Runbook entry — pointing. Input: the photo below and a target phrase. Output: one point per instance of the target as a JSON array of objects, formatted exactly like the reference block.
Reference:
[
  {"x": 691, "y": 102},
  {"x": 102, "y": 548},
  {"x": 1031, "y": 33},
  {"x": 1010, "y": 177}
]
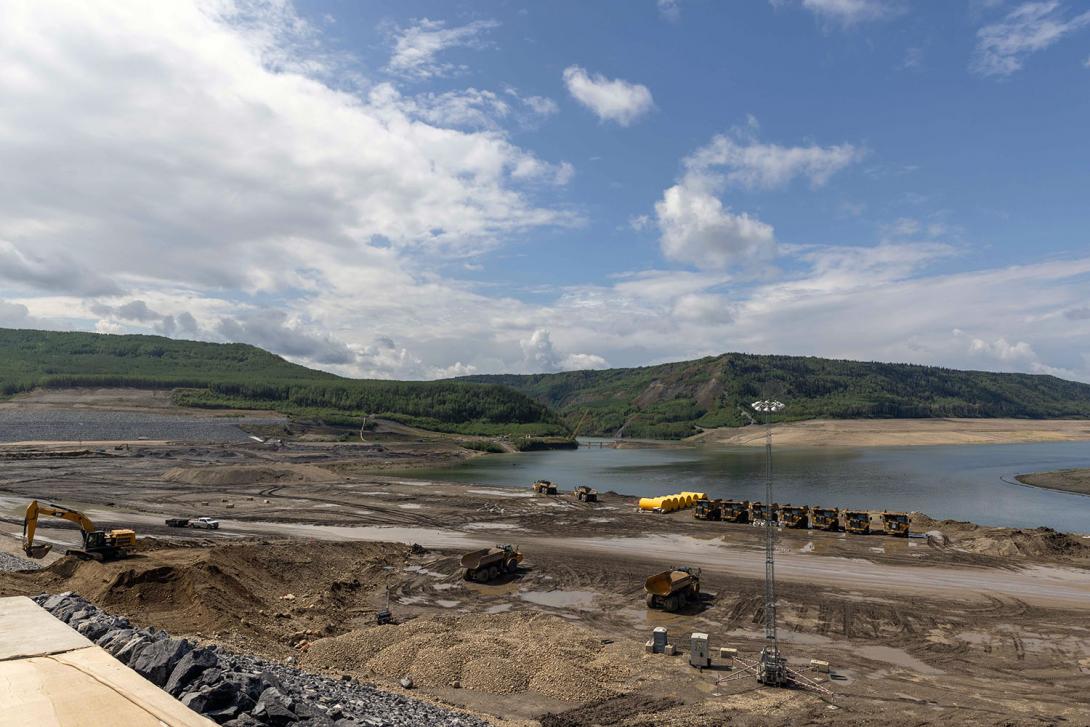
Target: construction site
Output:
[{"x": 554, "y": 604}]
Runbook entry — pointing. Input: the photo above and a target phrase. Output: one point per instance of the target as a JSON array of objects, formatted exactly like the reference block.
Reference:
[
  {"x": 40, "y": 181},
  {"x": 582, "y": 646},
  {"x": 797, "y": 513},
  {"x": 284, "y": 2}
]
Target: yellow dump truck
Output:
[
  {"x": 585, "y": 494},
  {"x": 488, "y": 564},
  {"x": 708, "y": 509},
  {"x": 857, "y": 522},
  {"x": 758, "y": 511},
  {"x": 825, "y": 518},
  {"x": 895, "y": 523},
  {"x": 795, "y": 516},
  {"x": 735, "y": 511},
  {"x": 672, "y": 589},
  {"x": 544, "y": 487}
]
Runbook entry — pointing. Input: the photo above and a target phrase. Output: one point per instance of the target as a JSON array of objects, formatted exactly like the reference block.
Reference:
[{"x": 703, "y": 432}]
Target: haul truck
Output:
[
  {"x": 825, "y": 518},
  {"x": 488, "y": 564},
  {"x": 895, "y": 524},
  {"x": 543, "y": 487},
  {"x": 795, "y": 516},
  {"x": 708, "y": 509},
  {"x": 735, "y": 511},
  {"x": 857, "y": 522},
  {"x": 672, "y": 589},
  {"x": 585, "y": 494}
]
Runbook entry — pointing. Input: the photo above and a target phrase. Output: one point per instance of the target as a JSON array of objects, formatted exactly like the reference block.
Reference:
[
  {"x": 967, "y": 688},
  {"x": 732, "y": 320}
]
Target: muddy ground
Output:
[
  {"x": 960, "y": 625},
  {"x": 1072, "y": 480}
]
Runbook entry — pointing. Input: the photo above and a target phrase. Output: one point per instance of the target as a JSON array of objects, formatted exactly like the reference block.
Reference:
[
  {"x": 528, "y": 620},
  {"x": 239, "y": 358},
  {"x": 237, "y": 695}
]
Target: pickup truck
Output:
[{"x": 206, "y": 523}]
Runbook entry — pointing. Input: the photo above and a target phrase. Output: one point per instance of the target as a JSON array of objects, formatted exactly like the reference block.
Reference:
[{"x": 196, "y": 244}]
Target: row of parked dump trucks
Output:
[{"x": 831, "y": 519}]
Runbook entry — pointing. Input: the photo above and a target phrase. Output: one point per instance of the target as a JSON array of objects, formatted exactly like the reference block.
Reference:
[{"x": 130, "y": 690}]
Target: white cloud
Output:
[
  {"x": 670, "y": 9},
  {"x": 850, "y": 12},
  {"x": 756, "y": 165},
  {"x": 540, "y": 356},
  {"x": 469, "y": 108},
  {"x": 698, "y": 228},
  {"x": 1002, "y": 47},
  {"x": 610, "y": 99},
  {"x": 416, "y": 47}
]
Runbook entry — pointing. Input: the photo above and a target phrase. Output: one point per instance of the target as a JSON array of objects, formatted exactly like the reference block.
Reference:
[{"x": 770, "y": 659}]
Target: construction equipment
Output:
[
  {"x": 672, "y": 589},
  {"x": 735, "y": 511},
  {"x": 544, "y": 487},
  {"x": 895, "y": 524},
  {"x": 97, "y": 544},
  {"x": 825, "y": 518},
  {"x": 708, "y": 509},
  {"x": 488, "y": 564},
  {"x": 795, "y": 516},
  {"x": 857, "y": 522},
  {"x": 585, "y": 494},
  {"x": 671, "y": 503},
  {"x": 758, "y": 512}
]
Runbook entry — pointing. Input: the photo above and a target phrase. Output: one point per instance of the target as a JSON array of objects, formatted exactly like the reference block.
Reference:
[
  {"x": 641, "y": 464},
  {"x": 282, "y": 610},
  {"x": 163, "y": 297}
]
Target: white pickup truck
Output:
[{"x": 206, "y": 523}]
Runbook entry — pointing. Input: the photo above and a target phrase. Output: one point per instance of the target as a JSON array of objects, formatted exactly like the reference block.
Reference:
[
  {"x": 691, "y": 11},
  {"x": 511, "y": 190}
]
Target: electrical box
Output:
[{"x": 698, "y": 651}]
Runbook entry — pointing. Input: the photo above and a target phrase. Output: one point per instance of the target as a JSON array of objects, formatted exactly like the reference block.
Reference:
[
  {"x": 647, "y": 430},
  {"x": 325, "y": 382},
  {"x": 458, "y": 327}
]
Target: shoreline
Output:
[{"x": 1074, "y": 481}]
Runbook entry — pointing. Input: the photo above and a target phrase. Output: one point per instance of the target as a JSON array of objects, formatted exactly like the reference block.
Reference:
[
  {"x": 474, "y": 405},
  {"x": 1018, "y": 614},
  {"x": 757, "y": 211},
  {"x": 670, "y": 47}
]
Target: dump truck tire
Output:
[
  {"x": 493, "y": 573},
  {"x": 470, "y": 574},
  {"x": 671, "y": 603},
  {"x": 511, "y": 565},
  {"x": 651, "y": 600}
]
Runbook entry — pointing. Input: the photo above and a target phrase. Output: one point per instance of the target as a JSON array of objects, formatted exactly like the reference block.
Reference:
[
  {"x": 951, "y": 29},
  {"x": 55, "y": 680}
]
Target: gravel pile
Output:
[
  {"x": 11, "y": 562},
  {"x": 504, "y": 653},
  {"x": 64, "y": 425},
  {"x": 239, "y": 690}
]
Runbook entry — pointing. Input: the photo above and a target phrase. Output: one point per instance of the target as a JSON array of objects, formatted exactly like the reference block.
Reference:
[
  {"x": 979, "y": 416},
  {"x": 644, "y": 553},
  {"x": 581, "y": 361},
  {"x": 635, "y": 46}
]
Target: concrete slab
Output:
[
  {"x": 28, "y": 630},
  {"x": 52, "y": 679}
]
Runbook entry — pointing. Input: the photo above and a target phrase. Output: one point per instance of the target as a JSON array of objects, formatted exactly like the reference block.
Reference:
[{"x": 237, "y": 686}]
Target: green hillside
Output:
[
  {"x": 675, "y": 400},
  {"x": 236, "y": 375}
]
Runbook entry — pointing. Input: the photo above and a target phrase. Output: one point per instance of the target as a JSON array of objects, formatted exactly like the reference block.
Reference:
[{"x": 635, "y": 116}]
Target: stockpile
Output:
[
  {"x": 11, "y": 563},
  {"x": 238, "y": 690},
  {"x": 504, "y": 653}
]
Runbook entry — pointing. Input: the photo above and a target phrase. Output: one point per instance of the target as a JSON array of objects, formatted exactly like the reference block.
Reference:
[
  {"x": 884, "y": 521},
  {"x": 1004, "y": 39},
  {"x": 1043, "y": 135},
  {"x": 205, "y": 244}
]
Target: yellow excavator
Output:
[{"x": 97, "y": 544}]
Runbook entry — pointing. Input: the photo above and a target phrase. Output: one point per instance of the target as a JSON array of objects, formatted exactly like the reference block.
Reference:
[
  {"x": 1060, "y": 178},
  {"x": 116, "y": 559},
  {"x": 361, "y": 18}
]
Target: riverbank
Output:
[
  {"x": 900, "y": 433},
  {"x": 1072, "y": 480}
]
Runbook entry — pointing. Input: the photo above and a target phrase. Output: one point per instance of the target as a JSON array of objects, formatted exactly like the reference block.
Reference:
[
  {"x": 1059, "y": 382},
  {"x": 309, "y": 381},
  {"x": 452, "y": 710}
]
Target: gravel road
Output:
[{"x": 74, "y": 425}]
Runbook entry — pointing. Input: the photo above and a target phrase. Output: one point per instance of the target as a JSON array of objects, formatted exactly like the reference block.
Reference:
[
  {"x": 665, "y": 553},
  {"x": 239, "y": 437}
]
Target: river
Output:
[{"x": 963, "y": 482}]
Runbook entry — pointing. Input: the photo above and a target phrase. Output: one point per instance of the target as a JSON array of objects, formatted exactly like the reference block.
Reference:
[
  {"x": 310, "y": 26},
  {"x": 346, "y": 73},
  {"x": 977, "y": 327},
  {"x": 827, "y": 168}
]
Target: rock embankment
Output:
[{"x": 238, "y": 690}]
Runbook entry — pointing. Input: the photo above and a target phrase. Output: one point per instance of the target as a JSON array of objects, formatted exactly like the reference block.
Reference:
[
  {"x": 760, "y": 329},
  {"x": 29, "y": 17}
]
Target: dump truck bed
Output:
[
  {"x": 486, "y": 556},
  {"x": 667, "y": 582}
]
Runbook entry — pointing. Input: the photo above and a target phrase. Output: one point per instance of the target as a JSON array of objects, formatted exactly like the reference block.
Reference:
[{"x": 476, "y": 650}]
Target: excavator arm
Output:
[{"x": 30, "y": 525}]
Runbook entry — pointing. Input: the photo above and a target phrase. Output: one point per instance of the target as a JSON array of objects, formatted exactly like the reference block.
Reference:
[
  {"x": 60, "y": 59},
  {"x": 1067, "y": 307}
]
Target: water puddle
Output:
[
  {"x": 808, "y": 548},
  {"x": 490, "y": 526},
  {"x": 579, "y": 600},
  {"x": 898, "y": 657},
  {"x": 501, "y": 493},
  {"x": 423, "y": 571},
  {"x": 498, "y": 608},
  {"x": 447, "y": 604},
  {"x": 410, "y": 506}
]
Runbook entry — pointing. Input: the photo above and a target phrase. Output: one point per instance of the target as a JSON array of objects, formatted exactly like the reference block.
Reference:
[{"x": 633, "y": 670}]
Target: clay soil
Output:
[{"x": 960, "y": 625}]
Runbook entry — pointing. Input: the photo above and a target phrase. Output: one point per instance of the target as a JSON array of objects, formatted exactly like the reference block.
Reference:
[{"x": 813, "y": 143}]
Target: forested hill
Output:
[
  {"x": 236, "y": 375},
  {"x": 674, "y": 400}
]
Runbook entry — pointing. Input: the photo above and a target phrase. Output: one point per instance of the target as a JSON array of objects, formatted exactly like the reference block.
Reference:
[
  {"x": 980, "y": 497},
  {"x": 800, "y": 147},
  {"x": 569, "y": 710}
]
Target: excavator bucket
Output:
[{"x": 38, "y": 551}]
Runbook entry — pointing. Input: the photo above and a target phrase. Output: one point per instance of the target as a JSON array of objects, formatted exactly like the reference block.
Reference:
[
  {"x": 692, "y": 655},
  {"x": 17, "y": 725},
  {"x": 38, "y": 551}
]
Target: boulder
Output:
[
  {"x": 157, "y": 660},
  {"x": 188, "y": 668},
  {"x": 210, "y": 699},
  {"x": 274, "y": 708}
]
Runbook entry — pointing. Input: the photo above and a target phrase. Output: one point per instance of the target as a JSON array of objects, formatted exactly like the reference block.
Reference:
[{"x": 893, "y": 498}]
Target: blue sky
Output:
[{"x": 423, "y": 189}]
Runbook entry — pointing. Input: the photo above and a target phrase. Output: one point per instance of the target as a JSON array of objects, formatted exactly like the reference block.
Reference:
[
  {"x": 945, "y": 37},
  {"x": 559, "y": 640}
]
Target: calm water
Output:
[{"x": 966, "y": 482}]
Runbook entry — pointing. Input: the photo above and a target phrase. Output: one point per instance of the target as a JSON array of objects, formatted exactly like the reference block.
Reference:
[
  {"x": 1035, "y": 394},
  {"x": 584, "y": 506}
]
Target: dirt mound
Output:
[
  {"x": 272, "y": 594},
  {"x": 248, "y": 474},
  {"x": 500, "y": 654},
  {"x": 1004, "y": 542}
]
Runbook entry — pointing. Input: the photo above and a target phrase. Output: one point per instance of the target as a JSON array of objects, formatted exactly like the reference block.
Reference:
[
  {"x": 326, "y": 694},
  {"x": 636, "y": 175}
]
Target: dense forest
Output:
[
  {"x": 678, "y": 399},
  {"x": 236, "y": 375}
]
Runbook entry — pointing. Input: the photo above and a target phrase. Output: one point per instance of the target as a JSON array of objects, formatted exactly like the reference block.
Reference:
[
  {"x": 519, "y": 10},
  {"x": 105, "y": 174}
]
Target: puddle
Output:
[
  {"x": 490, "y": 526},
  {"x": 412, "y": 600},
  {"x": 600, "y": 519},
  {"x": 580, "y": 600},
  {"x": 443, "y": 586},
  {"x": 410, "y": 506},
  {"x": 424, "y": 571},
  {"x": 447, "y": 604},
  {"x": 498, "y": 608},
  {"x": 428, "y": 537},
  {"x": 808, "y": 548},
  {"x": 891, "y": 655}
]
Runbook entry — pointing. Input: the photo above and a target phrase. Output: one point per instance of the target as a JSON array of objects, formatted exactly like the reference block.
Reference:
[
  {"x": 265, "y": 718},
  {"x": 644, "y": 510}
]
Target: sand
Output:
[
  {"x": 1073, "y": 480},
  {"x": 901, "y": 432}
]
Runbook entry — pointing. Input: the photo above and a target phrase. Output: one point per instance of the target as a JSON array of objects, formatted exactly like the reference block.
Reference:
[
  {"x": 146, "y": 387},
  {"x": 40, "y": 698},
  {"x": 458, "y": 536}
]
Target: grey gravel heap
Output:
[
  {"x": 11, "y": 562},
  {"x": 240, "y": 691}
]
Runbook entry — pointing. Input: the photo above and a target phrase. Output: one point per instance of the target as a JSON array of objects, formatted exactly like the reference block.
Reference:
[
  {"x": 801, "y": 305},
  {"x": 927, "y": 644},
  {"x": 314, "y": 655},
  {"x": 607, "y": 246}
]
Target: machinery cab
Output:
[
  {"x": 706, "y": 509},
  {"x": 735, "y": 511},
  {"x": 795, "y": 516},
  {"x": 895, "y": 523}
]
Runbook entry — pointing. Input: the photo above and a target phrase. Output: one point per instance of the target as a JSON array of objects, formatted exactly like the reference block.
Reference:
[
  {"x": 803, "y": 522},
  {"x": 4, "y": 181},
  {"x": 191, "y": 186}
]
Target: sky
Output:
[{"x": 420, "y": 189}]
